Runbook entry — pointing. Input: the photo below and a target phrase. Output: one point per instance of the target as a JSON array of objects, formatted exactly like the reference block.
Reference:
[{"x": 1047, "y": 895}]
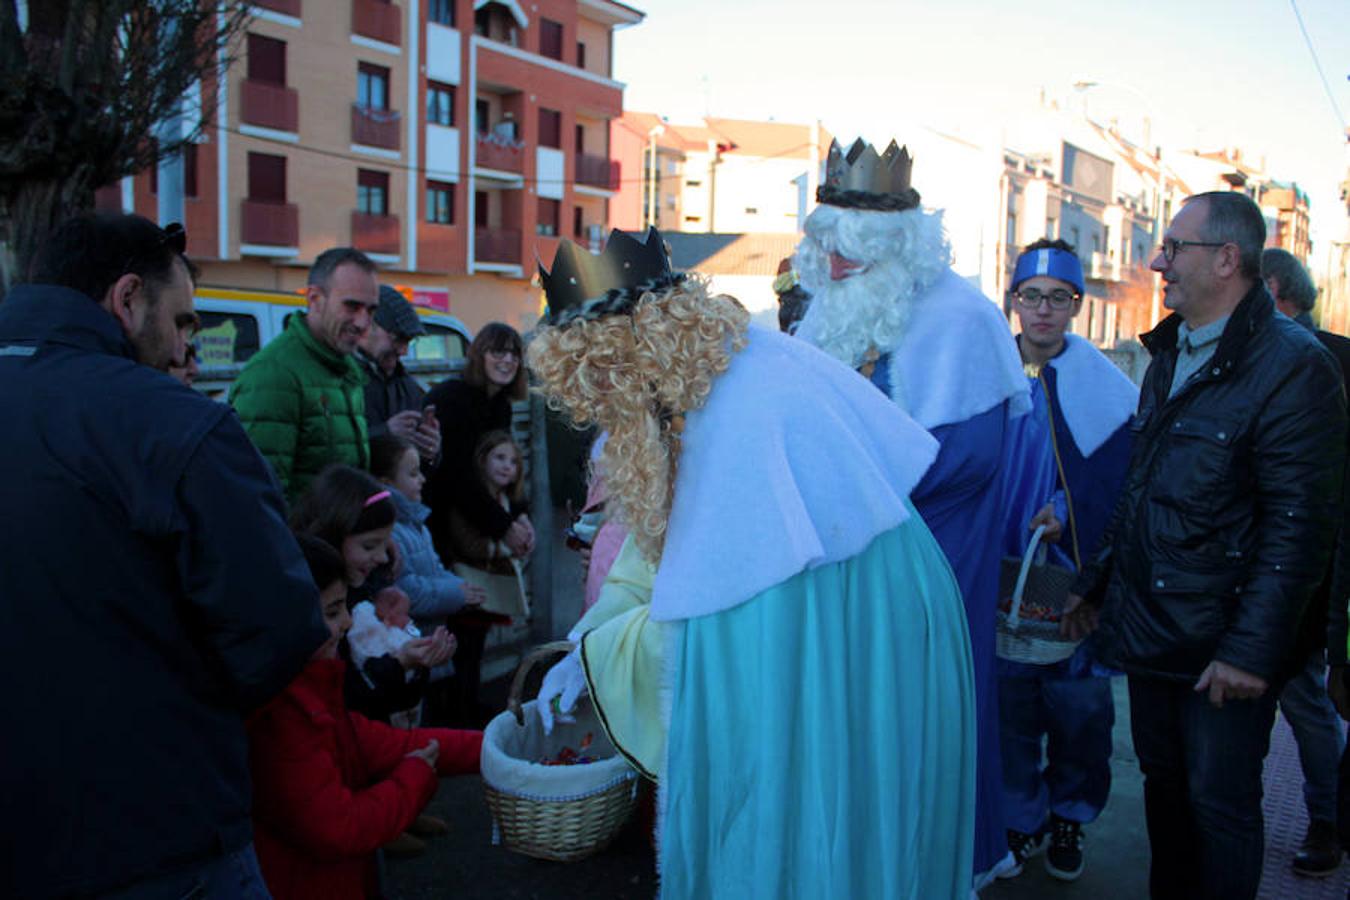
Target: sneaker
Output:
[
  {"x": 405, "y": 846},
  {"x": 428, "y": 826},
  {"x": 1023, "y": 847},
  {"x": 1320, "y": 854},
  {"x": 1064, "y": 857}
]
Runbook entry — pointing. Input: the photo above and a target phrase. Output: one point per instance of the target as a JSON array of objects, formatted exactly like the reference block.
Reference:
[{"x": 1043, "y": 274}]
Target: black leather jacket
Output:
[{"x": 1226, "y": 521}]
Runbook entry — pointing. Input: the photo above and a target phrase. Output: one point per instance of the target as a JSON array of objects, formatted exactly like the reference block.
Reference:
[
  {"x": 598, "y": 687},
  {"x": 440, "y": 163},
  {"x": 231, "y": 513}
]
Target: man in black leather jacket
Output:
[{"x": 1223, "y": 531}]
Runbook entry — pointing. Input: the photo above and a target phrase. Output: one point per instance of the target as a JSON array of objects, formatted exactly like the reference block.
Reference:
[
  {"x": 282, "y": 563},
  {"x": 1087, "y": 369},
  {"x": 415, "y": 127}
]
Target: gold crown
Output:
[{"x": 867, "y": 179}]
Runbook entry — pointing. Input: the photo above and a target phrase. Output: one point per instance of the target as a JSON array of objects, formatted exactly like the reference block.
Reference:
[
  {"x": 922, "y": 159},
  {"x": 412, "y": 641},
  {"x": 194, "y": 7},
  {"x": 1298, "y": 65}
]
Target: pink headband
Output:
[{"x": 375, "y": 498}]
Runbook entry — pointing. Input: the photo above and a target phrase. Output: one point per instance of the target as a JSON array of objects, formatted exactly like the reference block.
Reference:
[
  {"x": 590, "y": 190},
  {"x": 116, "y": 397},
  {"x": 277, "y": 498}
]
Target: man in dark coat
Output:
[
  {"x": 153, "y": 595},
  {"x": 1223, "y": 531},
  {"x": 1317, "y": 729},
  {"x": 393, "y": 397}
]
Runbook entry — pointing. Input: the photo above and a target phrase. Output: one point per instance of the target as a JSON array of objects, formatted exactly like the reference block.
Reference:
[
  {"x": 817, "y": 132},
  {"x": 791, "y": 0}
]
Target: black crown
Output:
[{"x": 583, "y": 285}]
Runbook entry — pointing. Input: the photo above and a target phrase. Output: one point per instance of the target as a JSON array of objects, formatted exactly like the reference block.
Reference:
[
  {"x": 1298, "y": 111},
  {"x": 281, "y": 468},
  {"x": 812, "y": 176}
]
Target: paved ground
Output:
[{"x": 465, "y": 864}]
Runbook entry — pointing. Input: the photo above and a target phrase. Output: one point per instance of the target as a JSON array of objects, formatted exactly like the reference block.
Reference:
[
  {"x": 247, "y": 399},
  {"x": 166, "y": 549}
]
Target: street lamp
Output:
[{"x": 652, "y": 134}]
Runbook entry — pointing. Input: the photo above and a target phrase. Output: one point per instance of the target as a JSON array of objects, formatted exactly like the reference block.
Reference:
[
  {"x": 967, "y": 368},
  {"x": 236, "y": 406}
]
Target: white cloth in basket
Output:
[{"x": 511, "y": 754}]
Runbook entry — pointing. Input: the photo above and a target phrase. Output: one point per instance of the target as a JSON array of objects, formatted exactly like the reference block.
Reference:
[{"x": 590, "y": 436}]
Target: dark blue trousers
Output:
[{"x": 1202, "y": 788}]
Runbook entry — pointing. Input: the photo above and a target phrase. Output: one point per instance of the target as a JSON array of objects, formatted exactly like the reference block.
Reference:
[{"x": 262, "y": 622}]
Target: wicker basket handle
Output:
[
  {"x": 1015, "y": 614},
  {"x": 527, "y": 663}
]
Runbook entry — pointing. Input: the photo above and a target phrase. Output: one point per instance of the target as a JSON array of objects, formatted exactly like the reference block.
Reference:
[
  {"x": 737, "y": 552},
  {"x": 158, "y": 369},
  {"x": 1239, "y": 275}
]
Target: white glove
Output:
[{"x": 563, "y": 684}]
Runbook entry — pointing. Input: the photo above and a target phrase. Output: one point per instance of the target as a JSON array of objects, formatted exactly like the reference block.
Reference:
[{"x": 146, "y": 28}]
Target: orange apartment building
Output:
[{"x": 453, "y": 140}]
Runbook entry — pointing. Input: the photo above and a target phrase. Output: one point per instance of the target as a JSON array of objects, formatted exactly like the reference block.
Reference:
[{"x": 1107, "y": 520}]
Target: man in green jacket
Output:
[{"x": 301, "y": 398}]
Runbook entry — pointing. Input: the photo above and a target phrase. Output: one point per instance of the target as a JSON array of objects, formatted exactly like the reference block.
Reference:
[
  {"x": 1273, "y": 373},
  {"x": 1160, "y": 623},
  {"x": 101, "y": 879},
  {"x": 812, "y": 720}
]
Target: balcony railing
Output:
[
  {"x": 1103, "y": 268},
  {"x": 287, "y": 7},
  {"x": 375, "y": 127},
  {"x": 272, "y": 224},
  {"x": 375, "y": 234},
  {"x": 501, "y": 153},
  {"x": 269, "y": 105},
  {"x": 598, "y": 171},
  {"x": 496, "y": 245},
  {"x": 377, "y": 19}
]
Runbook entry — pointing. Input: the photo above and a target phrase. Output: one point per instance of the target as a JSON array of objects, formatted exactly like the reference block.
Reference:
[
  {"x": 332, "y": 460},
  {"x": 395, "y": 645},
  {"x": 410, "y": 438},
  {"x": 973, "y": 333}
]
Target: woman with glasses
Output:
[{"x": 467, "y": 410}]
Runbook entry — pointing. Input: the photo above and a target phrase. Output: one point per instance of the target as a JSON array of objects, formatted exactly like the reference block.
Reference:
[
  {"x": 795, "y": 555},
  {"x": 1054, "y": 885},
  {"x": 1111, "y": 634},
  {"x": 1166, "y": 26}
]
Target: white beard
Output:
[{"x": 903, "y": 254}]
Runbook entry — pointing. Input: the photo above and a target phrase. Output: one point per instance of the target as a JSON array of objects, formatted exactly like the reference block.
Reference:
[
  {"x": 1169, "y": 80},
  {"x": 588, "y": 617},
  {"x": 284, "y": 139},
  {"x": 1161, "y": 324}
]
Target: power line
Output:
[
  {"x": 423, "y": 170},
  {"x": 1326, "y": 85}
]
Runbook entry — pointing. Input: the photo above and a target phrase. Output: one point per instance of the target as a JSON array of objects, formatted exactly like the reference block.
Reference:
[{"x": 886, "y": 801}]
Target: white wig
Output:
[{"x": 902, "y": 254}]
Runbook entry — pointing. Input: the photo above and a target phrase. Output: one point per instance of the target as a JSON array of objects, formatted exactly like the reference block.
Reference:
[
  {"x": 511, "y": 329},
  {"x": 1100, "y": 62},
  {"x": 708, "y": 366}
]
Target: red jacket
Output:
[{"x": 330, "y": 787}]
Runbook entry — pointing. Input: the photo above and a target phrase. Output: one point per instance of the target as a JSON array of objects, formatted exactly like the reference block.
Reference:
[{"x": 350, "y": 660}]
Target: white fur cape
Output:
[
  {"x": 957, "y": 358},
  {"x": 795, "y": 461},
  {"x": 1097, "y": 398}
]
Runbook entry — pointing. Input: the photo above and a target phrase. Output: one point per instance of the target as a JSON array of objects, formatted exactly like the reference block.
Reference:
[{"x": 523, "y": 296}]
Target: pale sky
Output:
[{"x": 1208, "y": 73}]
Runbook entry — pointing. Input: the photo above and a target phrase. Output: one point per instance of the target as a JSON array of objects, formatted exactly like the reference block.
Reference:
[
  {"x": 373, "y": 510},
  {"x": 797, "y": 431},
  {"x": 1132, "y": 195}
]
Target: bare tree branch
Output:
[{"x": 83, "y": 91}]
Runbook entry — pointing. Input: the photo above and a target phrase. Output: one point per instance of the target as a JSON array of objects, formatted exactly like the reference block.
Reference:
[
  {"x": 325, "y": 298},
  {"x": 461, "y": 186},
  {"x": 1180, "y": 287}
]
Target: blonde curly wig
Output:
[{"x": 636, "y": 376}]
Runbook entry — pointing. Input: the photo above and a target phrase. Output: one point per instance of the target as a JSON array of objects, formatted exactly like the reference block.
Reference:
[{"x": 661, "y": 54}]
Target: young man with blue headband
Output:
[{"x": 1066, "y": 461}]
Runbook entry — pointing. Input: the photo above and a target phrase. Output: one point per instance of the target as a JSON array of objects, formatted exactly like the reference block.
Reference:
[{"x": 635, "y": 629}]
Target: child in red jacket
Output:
[{"x": 330, "y": 786}]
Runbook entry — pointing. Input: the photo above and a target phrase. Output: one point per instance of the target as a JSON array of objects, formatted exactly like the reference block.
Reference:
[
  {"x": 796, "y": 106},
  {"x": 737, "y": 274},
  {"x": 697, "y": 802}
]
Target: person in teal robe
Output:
[{"x": 781, "y": 643}]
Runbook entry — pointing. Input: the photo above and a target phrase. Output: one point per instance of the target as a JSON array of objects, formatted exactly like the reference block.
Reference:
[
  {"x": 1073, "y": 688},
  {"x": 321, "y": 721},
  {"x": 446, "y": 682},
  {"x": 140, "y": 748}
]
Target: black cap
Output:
[{"x": 396, "y": 315}]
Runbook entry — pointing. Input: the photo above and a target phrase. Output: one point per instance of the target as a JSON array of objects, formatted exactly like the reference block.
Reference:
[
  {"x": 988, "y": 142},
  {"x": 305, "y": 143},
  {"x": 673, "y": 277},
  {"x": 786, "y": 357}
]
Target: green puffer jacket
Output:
[{"x": 303, "y": 404}]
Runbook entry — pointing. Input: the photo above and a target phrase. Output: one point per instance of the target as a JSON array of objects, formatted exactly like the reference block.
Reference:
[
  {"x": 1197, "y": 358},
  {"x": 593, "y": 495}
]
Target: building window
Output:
[
  {"x": 189, "y": 172},
  {"x": 372, "y": 192},
  {"x": 1051, "y": 223},
  {"x": 440, "y": 104},
  {"x": 266, "y": 178},
  {"x": 751, "y": 211},
  {"x": 578, "y": 226},
  {"x": 550, "y": 128},
  {"x": 372, "y": 86},
  {"x": 442, "y": 12},
  {"x": 481, "y": 112},
  {"x": 581, "y": 138},
  {"x": 548, "y": 217},
  {"x": 266, "y": 60},
  {"x": 495, "y": 23},
  {"x": 581, "y": 55},
  {"x": 693, "y": 184},
  {"x": 441, "y": 202},
  {"x": 550, "y": 39},
  {"x": 480, "y": 209}
]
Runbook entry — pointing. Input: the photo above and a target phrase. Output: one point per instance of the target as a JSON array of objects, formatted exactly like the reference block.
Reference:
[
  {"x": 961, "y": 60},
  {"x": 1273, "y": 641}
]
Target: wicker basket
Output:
[
  {"x": 1033, "y": 583},
  {"x": 561, "y": 813}
]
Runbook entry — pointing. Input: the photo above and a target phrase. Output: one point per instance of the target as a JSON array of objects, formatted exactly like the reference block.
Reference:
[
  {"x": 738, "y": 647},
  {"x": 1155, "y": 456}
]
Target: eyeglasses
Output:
[
  {"x": 1171, "y": 246},
  {"x": 1058, "y": 298},
  {"x": 172, "y": 236},
  {"x": 515, "y": 354}
]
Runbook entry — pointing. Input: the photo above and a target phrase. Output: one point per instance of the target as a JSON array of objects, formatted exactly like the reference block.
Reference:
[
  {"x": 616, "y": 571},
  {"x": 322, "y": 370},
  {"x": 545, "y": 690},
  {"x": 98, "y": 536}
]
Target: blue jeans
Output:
[
  {"x": 1202, "y": 788},
  {"x": 234, "y": 876},
  {"x": 1073, "y": 718},
  {"x": 1319, "y": 734}
]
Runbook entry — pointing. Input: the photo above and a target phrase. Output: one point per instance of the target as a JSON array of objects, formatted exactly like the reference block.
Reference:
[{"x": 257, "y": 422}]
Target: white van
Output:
[{"x": 238, "y": 323}]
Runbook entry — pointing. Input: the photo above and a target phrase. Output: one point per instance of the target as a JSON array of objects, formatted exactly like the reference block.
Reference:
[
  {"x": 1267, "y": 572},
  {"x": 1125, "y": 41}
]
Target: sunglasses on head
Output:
[{"x": 172, "y": 236}]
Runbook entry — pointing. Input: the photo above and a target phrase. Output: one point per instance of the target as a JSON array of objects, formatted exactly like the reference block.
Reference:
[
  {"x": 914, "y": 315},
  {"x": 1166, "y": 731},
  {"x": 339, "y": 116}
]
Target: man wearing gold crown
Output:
[
  {"x": 780, "y": 643},
  {"x": 884, "y": 300}
]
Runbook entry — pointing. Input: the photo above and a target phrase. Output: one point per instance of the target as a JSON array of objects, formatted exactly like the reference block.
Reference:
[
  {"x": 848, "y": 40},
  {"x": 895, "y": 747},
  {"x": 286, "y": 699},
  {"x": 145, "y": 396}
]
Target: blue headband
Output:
[{"x": 1049, "y": 261}]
